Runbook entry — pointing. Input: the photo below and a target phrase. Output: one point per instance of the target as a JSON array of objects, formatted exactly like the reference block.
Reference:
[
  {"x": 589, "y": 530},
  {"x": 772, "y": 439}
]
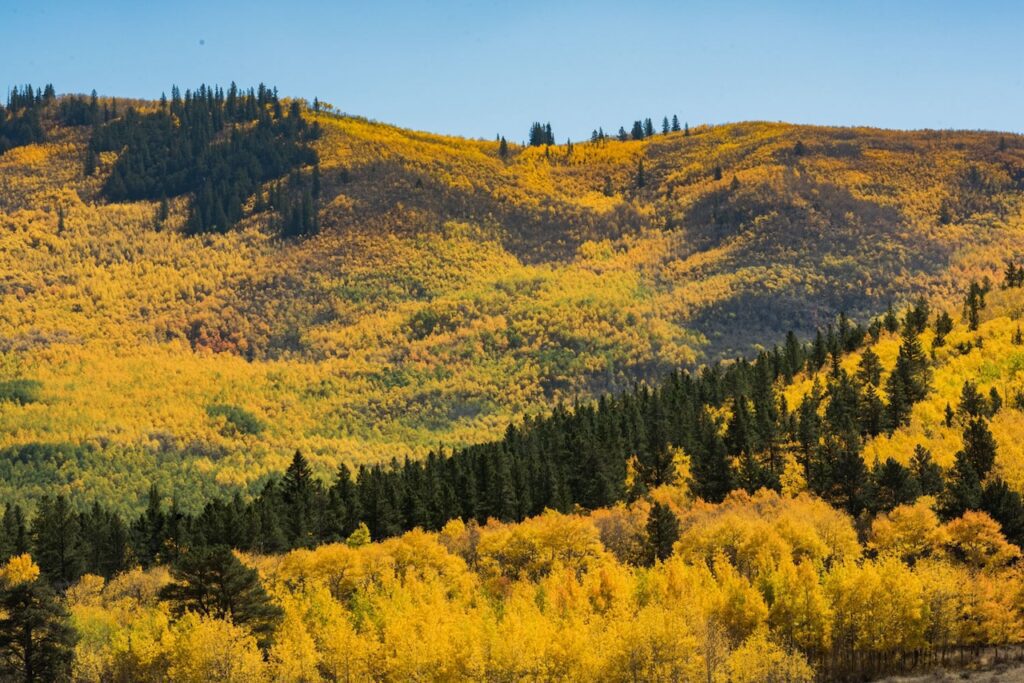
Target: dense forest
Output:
[
  {"x": 725, "y": 429},
  {"x": 596, "y": 455},
  {"x": 20, "y": 120},
  {"x": 220, "y": 147}
]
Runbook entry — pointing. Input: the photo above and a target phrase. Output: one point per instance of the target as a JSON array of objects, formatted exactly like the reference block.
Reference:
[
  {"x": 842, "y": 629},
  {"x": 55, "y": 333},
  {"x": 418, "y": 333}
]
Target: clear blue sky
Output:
[{"x": 479, "y": 68}]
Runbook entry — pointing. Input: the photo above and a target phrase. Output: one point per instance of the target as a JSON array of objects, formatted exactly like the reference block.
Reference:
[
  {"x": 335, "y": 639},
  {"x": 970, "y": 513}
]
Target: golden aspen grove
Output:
[{"x": 287, "y": 394}]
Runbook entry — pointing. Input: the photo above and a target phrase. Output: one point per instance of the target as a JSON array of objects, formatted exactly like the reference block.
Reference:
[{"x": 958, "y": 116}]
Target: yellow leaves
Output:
[
  {"x": 18, "y": 570},
  {"x": 205, "y": 649},
  {"x": 534, "y": 548},
  {"x": 800, "y": 613},
  {"x": 909, "y": 532},
  {"x": 879, "y": 606},
  {"x": 760, "y": 660},
  {"x": 978, "y": 540},
  {"x": 294, "y": 657},
  {"x": 756, "y": 532},
  {"x": 654, "y": 645},
  {"x": 739, "y": 608}
]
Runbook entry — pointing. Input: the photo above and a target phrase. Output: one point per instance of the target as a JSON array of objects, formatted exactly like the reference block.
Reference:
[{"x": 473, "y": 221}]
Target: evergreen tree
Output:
[
  {"x": 712, "y": 472},
  {"x": 1006, "y": 507},
  {"x": 640, "y": 179},
  {"x": 894, "y": 485},
  {"x": 869, "y": 370},
  {"x": 503, "y": 148},
  {"x": 36, "y": 640},
  {"x": 14, "y": 536},
  {"x": 299, "y": 493},
  {"x": 971, "y": 465},
  {"x": 211, "y": 581},
  {"x": 664, "y": 126},
  {"x": 926, "y": 471},
  {"x": 105, "y": 542},
  {"x": 973, "y": 305},
  {"x": 662, "y": 531},
  {"x": 890, "y": 321},
  {"x": 675, "y": 123},
  {"x": 972, "y": 403},
  {"x": 910, "y": 379},
  {"x": 57, "y": 541},
  {"x": 995, "y": 402},
  {"x": 943, "y": 326},
  {"x": 149, "y": 534}
]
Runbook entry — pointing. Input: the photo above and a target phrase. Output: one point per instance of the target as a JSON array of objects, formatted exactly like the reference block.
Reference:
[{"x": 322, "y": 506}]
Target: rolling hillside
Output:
[{"x": 449, "y": 290}]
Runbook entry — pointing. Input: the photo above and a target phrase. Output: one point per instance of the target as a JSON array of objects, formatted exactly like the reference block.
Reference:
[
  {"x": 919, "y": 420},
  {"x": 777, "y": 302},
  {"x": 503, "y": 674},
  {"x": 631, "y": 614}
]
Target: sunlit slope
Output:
[
  {"x": 451, "y": 290},
  {"x": 987, "y": 357}
]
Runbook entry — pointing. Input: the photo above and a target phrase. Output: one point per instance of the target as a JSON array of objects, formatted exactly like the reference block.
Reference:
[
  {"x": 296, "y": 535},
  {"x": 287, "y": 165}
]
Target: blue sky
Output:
[{"x": 481, "y": 68}]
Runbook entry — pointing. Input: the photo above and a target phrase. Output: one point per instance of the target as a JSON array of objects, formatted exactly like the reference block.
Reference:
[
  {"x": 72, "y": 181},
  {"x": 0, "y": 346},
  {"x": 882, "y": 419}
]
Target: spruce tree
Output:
[
  {"x": 675, "y": 123},
  {"x": 211, "y": 581},
  {"x": 299, "y": 492},
  {"x": 910, "y": 379},
  {"x": 662, "y": 531},
  {"x": 14, "y": 536},
  {"x": 926, "y": 471},
  {"x": 971, "y": 466},
  {"x": 36, "y": 640},
  {"x": 56, "y": 541},
  {"x": 869, "y": 370}
]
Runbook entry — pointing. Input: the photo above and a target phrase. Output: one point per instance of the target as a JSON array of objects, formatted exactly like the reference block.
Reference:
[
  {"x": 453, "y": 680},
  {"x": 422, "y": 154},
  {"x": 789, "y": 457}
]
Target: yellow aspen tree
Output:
[{"x": 206, "y": 649}]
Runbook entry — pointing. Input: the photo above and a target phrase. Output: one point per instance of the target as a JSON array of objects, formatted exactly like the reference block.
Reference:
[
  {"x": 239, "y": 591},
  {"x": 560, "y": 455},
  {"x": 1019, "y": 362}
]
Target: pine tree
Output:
[
  {"x": 664, "y": 126},
  {"x": 974, "y": 302},
  {"x": 648, "y": 128},
  {"x": 662, "y": 531},
  {"x": 503, "y": 148},
  {"x": 972, "y": 403},
  {"x": 869, "y": 370},
  {"x": 211, "y": 581},
  {"x": 971, "y": 465},
  {"x": 894, "y": 485},
  {"x": 943, "y": 326},
  {"x": 91, "y": 161},
  {"x": 890, "y": 321},
  {"x": 298, "y": 494},
  {"x": 56, "y": 541},
  {"x": 149, "y": 532},
  {"x": 979, "y": 447},
  {"x": 638, "y": 130},
  {"x": 36, "y": 640},
  {"x": 927, "y": 472},
  {"x": 910, "y": 379},
  {"x": 675, "y": 123},
  {"x": 640, "y": 179},
  {"x": 14, "y": 536}
]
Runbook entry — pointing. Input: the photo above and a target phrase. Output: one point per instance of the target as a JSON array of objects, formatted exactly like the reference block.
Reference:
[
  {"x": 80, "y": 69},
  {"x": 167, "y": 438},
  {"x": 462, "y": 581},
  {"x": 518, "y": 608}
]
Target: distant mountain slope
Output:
[{"x": 449, "y": 289}]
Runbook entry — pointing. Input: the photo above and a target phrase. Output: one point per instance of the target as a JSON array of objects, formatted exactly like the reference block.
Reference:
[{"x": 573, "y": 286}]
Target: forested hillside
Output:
[
  {"x": 392, "y": 290},
  {"x": 724, "y": 526},
  {"x": 290, "y": 395}
]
